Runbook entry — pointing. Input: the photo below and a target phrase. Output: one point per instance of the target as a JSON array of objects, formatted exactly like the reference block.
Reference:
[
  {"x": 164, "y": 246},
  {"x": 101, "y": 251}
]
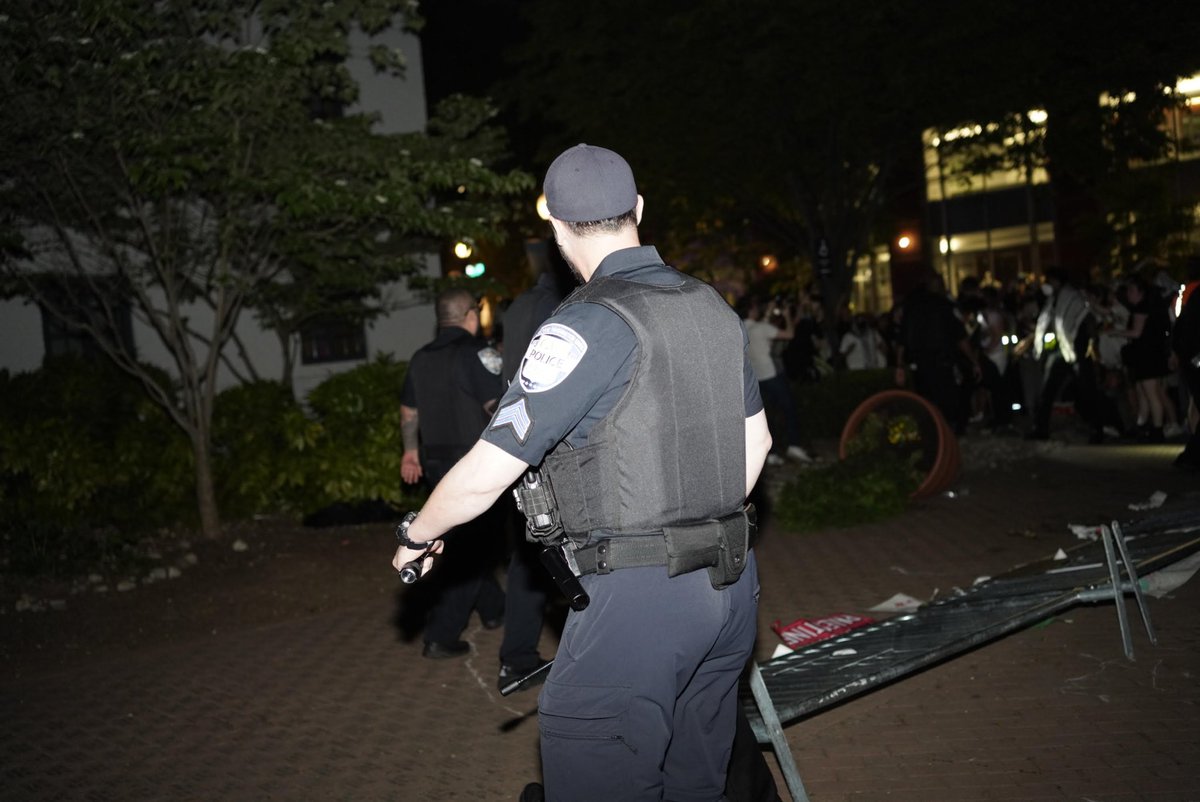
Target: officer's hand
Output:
[
  {"x": 410, "y": 467},
  {"x": 405, "y": 556}
]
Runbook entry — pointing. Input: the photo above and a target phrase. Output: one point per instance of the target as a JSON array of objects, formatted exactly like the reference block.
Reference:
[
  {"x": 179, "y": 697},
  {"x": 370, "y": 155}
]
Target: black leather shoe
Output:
[
  {"x": 534, "y": 792},
  {"x": 443, "y": 651},
  {"x": 493, "y": 623}
]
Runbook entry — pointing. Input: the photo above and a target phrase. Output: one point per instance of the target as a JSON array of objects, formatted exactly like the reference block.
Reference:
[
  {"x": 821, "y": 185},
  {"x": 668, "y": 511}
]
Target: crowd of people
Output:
[{"x": 1008, "y": 358}]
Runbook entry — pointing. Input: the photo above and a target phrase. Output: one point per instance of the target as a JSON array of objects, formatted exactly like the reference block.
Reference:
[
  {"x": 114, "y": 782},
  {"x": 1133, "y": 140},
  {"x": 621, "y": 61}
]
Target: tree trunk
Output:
[
  {"x": 287, "y": 353},
  {"x": 206, "y": 496}
]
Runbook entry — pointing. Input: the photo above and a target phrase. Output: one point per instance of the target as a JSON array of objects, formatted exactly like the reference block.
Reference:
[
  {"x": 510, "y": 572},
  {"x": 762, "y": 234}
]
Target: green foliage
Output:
[
  {"x": 261, "y": 439},
  {"x": 357, "y": 455},
  {"x": 825, "y": 405},
  {"x": 873, "y": 483},
  {"x": 81, "y": 443},
  {"x": 87, "y": 461},
  {"x": 274, "y": 458}
]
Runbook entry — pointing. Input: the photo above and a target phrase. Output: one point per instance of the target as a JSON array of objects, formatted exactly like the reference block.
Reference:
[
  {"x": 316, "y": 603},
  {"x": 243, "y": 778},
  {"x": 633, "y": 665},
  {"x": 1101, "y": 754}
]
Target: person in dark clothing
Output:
[
  {"x": 933, "y": 344},
  {"x": 1145, "y": 356},
  {"x": 526, "y": 591},
  {"x": 450, "y": 389}
]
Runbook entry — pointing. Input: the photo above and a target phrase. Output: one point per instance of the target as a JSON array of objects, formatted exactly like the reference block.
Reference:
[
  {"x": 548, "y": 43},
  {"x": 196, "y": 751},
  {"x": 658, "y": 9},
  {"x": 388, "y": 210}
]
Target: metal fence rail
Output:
[{"x": 808, "y": 680}]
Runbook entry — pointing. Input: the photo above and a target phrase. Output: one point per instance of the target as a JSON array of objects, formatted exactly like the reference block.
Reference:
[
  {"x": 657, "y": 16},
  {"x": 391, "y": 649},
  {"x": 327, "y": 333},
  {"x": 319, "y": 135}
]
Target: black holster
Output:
[{"x": 535, "y": 499}]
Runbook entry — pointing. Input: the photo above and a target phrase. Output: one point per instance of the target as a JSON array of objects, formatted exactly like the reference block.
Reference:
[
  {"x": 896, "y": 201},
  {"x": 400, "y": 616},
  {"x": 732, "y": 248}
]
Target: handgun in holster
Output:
[{"x": 535, "y": 499}]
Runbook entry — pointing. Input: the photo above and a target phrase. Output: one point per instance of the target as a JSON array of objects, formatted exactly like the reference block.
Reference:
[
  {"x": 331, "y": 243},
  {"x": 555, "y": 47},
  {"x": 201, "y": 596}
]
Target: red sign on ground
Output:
[{"x": 804, "y": 631}]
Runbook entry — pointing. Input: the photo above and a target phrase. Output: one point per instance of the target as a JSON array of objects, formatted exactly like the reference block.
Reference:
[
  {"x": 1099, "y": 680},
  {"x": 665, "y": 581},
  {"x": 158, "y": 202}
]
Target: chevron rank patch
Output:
[
  {"x": 554, "y": 352},
  {"x": 514, "y": 415}
]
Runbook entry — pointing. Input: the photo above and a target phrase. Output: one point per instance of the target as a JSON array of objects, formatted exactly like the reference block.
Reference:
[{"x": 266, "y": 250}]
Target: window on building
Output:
[
  {"x": 333, "y": 339},
  {"x": 62, "y": 338}
]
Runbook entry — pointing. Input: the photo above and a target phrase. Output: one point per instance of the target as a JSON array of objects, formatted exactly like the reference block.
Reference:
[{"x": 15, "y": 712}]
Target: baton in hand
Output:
[{"x": 411, "y": 571}]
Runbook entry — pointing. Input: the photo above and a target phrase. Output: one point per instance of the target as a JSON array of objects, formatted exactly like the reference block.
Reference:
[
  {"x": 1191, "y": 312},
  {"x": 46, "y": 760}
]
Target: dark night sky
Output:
[{"x": 462, "y": 44}]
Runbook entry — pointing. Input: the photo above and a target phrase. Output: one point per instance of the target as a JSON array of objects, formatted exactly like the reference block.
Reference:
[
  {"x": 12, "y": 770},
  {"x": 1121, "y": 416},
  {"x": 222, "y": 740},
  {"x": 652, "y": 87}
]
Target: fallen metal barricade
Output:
[{"x": 808, "y": 680}]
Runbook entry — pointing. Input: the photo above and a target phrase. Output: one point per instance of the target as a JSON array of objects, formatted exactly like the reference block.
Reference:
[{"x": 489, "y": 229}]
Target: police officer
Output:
[
  {"x": 450, "y": 390},
  {"x": 639, "y": 390}
]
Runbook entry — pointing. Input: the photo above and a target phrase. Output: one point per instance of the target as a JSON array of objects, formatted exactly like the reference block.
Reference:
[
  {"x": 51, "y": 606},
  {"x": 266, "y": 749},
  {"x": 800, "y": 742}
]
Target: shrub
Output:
[
  {"x": 356, "y": 456},
  {"x": 871, "y": 484},
  {"x": 262, "y": 446},
  {"x": 825, "y": 405},
  {"x": 86, "y": 461}
]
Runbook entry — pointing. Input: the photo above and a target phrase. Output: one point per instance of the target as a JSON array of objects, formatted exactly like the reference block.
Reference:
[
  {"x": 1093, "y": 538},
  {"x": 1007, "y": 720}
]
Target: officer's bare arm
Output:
[
  {"x": 758, "y": 443},
  {"x": 467, "y": 491}
]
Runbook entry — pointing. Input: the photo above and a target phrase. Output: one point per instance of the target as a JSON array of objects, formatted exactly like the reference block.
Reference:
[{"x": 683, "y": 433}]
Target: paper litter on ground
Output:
[
  {"x": 897, "y": 603},
  {"x": 780, "y": 651},
  {"x": 1156, "y": 500},
  {"x": 1085, "y": 532},
  {"x": 1060, "y": 555}
]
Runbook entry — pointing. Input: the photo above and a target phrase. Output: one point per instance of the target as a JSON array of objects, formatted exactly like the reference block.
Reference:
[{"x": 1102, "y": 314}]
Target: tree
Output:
[
  {"x": 1012, "y": 142},
  {"x": 1075, "y": 55},
  {"x": 789, "y": 117},
  {"x": 805, "y": 118},
  {"x": 187, "y": 161}
]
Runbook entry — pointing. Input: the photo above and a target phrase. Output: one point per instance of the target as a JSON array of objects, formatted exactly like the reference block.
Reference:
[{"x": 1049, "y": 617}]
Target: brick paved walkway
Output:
[{"x": 334, "y": 706}]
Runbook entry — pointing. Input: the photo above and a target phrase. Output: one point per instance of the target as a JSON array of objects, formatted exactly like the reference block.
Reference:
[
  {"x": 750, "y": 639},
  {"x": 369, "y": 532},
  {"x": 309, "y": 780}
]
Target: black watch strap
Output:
[{"x": 402, "y": 534}]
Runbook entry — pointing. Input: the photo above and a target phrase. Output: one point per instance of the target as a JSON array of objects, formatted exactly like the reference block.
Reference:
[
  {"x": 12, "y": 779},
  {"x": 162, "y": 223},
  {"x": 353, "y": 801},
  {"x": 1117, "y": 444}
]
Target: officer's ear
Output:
[
  {"x": 638, "y": 210},
  {"x": 554, "y": 227}
]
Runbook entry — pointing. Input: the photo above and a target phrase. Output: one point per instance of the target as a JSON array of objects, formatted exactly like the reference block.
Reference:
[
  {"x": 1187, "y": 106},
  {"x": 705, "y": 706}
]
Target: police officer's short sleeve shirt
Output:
[
  {"x": 577, "y": 367},
  {"x": 477, "y": 372}
]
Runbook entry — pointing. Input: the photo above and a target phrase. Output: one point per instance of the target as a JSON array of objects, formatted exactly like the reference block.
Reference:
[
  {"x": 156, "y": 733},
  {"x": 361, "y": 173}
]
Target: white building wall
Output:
[{"x": 401, "y": 103}]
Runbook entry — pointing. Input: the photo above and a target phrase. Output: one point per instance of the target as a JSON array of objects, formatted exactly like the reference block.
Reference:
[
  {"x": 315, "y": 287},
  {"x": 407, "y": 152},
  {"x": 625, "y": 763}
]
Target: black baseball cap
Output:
[{"x": 588, "y": 183}]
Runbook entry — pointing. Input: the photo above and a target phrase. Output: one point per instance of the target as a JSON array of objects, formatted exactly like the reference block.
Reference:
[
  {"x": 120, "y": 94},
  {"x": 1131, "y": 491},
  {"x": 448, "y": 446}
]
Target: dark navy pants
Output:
[
  {"x": 465, "y": 578},
  {"x": 641, "y": 702}
]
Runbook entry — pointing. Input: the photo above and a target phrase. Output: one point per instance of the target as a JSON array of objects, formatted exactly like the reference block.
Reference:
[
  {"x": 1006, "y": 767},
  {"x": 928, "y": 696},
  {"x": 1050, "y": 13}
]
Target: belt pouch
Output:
[
  {"x": 734, "y": 539},
  {"x": 692, "y": 547}
]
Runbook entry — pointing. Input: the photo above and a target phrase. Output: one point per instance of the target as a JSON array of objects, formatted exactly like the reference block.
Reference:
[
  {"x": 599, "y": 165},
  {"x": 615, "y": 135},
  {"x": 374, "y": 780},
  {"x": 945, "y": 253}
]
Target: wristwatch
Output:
[{"x": 402, "y": 534}]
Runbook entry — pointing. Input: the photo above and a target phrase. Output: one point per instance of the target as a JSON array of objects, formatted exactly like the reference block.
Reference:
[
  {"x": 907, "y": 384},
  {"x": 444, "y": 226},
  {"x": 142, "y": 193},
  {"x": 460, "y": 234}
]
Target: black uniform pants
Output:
[
  {"x": 525, "y": 599},
  {"x": 464, "y": 579}
]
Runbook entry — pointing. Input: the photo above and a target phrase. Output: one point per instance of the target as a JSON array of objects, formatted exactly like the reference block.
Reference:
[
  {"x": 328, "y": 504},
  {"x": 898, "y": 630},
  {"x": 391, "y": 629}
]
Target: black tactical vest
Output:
[
  {"x": 450, "y": 419},
  {"x": 673, "y": 449}
]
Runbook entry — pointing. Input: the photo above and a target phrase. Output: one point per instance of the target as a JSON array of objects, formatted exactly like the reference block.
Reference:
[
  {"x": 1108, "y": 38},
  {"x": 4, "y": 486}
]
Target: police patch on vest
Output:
[
  {"x": 514, "y": 415},
  {"x": 491, "y": 359},
  {"x": 555, "y": 351}
]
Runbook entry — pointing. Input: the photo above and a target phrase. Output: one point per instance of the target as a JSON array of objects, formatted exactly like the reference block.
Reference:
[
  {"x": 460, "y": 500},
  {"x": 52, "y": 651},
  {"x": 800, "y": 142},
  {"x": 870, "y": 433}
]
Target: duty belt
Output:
[
  {"x": 639, "y": 551},
  {"x": 614, "y": 553}
]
